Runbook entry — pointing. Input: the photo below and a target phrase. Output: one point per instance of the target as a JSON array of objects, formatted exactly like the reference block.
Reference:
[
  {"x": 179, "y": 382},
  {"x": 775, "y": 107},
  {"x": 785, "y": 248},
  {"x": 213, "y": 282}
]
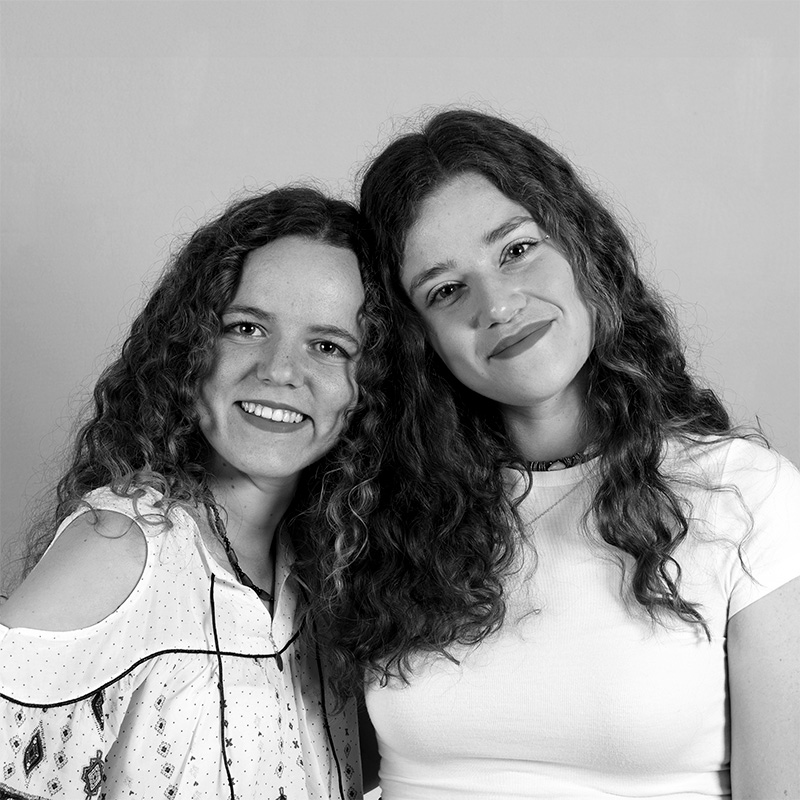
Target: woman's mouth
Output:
[
  {"x": 522, "y": 340},
  {"x": 274, "y": 414}
]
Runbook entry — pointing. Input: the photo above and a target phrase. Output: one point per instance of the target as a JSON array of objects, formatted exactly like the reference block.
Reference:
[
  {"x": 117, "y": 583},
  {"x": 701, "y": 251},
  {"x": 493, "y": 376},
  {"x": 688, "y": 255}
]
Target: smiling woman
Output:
[
  {"x": 282, "y": 380},
  {"x": 156, "y": 649},
  {"x": 574, "y": 577}
]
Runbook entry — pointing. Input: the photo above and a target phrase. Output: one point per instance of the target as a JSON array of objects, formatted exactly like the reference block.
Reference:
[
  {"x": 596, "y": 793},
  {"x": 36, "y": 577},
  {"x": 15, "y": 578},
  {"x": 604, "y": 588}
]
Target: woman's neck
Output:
[
  {"x": 548, "y": 431},
  {"x": 252, "y": 514}
]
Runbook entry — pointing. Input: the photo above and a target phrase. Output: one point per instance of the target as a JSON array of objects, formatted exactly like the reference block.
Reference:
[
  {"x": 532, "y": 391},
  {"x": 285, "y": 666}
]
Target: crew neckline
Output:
[{"x": 556, "y": 477}]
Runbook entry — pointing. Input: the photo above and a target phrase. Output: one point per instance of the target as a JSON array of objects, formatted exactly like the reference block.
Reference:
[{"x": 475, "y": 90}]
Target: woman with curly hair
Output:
[
  {"x": 564, "y": 574},
  {"x": 155, "y": 650}
]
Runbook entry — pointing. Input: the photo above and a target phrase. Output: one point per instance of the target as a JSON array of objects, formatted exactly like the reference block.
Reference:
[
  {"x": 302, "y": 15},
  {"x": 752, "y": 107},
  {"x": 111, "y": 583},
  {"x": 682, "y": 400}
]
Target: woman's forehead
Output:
[
  {"x": 303, "y": 277},
  {"x": 466, "y": 209}
]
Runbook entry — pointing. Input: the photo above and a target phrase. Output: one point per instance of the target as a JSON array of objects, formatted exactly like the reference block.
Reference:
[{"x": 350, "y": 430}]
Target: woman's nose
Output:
[
  {"x": 497, "y": 302},
  {"x": 278, "y": 363}
]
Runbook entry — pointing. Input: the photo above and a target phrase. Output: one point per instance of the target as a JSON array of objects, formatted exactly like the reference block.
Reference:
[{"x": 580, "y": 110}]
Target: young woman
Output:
[
  {"x": 155, "y": 650},
  {"x": 565, "y": 574}
]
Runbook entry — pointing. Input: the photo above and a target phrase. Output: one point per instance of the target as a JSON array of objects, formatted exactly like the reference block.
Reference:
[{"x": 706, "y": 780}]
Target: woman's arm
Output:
[
  {"x": 764, "y": 682},
  {"x": 86, "y": 575}
]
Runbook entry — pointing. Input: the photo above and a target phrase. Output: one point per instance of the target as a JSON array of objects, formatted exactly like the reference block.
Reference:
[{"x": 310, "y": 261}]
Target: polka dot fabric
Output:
[{"x": 179, "y": 693}]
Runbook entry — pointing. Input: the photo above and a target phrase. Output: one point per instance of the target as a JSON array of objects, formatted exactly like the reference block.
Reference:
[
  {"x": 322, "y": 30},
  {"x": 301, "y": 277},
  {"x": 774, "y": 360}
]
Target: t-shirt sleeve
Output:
[{"x": 766, "y": 488}]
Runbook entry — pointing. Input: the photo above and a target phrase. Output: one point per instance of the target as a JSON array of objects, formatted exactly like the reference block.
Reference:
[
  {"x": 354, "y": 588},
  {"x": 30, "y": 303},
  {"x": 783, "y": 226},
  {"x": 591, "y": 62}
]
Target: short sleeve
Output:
[{"x": 766, "y": 488}]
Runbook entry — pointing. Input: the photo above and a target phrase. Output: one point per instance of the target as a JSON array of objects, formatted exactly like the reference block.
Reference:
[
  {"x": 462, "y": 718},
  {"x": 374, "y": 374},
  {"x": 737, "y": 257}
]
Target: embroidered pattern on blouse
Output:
[
  {"x": 97, "y": 709},
  {"x": 34, "y": 752},
  {"x": 92, "y": 775}
]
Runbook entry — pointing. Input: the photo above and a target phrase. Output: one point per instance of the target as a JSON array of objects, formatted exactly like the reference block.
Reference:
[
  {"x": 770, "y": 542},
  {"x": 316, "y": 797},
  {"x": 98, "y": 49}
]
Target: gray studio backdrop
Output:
[{"x": 124, "y": 124}]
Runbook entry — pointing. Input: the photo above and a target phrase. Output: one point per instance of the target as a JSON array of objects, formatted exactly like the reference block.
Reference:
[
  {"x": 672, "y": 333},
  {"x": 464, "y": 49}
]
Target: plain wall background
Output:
[{"x": 124, "y": 124}]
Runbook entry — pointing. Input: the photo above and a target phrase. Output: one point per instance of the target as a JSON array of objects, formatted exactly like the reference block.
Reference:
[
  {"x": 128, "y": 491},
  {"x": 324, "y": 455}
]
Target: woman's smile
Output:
[
  {"x": 281, "y": 420},
  {"x": 527, "y": 336}
]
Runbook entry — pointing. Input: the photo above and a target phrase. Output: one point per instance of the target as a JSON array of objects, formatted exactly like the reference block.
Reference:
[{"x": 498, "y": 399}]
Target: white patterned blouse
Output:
[{"x": 188, "y": 690}]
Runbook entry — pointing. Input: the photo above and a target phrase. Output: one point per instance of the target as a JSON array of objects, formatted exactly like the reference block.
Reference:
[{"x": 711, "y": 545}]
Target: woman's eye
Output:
[
  {"x": 517, "y": 250},
  {"x": 443, "y": 293},
  {"x": 244, "y": 329},
  {"x": 331, "y": 350}
]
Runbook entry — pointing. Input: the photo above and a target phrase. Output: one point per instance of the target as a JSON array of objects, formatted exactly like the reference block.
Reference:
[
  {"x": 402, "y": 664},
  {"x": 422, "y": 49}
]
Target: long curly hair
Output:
[
  {"x": 416, "y": 552},
  {"x": 141, "y": 425}
]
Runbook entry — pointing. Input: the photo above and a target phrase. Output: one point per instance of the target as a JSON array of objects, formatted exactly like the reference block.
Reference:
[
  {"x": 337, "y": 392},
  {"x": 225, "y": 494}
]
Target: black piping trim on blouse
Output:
[
  {"x": 326, "y": 723},
  {"x": 220, "y": 684},
  {"x": 178, "y": 650}
]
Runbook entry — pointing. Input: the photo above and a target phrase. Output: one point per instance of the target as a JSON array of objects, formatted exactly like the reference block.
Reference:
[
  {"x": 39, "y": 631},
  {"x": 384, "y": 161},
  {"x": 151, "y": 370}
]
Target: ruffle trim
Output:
[{"x": 215, "y": 653}]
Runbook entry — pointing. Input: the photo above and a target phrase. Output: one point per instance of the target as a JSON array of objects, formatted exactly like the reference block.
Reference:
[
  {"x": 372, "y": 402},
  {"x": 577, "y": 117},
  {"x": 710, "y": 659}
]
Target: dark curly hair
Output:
[
  {"x": 415, "y": 554},
  {"x": 141, "y": 427}
]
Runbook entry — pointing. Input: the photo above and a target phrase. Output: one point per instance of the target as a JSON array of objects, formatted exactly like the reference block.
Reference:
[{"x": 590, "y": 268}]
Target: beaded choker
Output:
[
  {"x": 243, "y": 577},
  {"x": 557, "y": 463}
]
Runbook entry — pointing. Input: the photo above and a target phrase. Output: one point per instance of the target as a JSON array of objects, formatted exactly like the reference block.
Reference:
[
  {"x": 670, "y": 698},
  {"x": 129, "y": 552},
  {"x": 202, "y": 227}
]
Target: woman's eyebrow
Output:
[
  {"x": 428, "y": 274},
  {"x": 334, "y": 330},
  {"x": 250, "y": 311},
  {"x": 507, "y": 227}
]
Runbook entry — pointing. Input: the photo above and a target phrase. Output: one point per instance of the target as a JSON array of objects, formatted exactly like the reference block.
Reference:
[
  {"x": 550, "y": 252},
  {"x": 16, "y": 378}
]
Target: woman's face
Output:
[
  {"x": 499, "y": 300},
  {"x": 282, "y": 377}
]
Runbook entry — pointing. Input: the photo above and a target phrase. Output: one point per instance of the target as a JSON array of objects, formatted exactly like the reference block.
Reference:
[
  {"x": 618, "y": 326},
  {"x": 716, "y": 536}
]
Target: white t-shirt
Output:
[
  {"x": 181, "y": 678},
  {"x": 580, "y": 695}
]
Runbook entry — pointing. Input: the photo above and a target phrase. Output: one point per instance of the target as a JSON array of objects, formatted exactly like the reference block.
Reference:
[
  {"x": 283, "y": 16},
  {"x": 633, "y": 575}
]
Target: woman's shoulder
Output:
[
  {"x": 740, "y": 484},
  {"x": 747, "y": 495},
  {"x": 89, "y": 570},
  {"x": 743, "y": 461},
  {"x": 96, "y": 559},
  {"x": 124, "y": 579}
]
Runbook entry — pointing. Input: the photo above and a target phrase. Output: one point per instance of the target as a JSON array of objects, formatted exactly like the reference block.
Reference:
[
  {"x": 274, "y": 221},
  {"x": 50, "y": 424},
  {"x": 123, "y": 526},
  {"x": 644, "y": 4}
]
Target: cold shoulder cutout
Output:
[{"x": 88, "y": 571}]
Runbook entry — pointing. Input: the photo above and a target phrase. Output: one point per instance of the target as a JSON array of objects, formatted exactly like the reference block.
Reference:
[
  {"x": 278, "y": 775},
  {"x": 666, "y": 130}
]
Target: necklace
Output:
[
  {"x": 557, "y": 502},
  {"x": 243, "y": 577},
  {"x": 557, "y": 463}
]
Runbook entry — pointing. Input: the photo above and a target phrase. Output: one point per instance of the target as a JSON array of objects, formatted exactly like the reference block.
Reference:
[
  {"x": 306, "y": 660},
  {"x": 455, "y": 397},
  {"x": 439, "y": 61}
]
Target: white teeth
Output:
[{"x": 275, "y": 414}]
